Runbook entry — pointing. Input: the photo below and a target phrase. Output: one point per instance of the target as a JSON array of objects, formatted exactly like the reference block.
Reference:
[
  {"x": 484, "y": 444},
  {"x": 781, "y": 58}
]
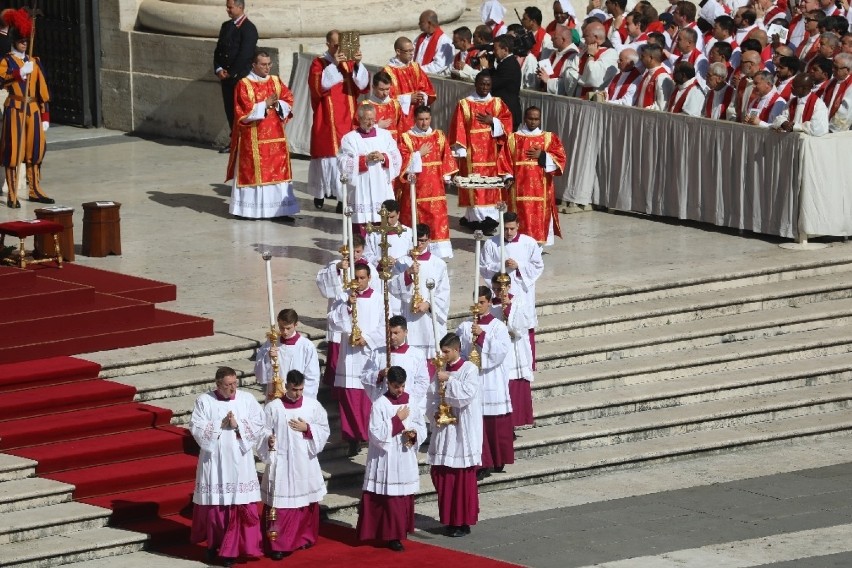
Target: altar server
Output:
[{"x": 298, "y": 353}]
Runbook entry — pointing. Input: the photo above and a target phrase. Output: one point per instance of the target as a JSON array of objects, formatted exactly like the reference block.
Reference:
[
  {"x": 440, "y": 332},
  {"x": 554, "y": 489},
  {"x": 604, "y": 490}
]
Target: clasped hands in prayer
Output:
[
  {"x": 511, "y": 264},
  {"x": 230, "y": 422},
  {"x": 375, "y": 157}
]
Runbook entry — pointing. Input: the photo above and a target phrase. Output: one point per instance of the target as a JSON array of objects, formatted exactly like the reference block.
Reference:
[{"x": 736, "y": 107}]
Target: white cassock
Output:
[
  {"x": 416, "y": 372},
  {"x": 391, "y": 467},
  {"x": 399, "y": 245},
  {"x": 597, "y": 73},
  {"x": 493, "y": 351},
  {"x": 371, "y": 322},
  {"x": 692, "y": 97},
  {"x": 293, "y": 477},
  {"x": 566, "y": 82},
  {"x": 226, "y": 474},
  {"x": 842, "y": 117},
  {"x": 818, "y": 123},
  {"x": 526, "y": 252},
  {"x": 457, "y": 445},
  {"x": 518, "y": 362},
  {"x": 368, "y": 184},
  {"x": 421, "y": 334},
  {"x": 330, "y": 284},
  {"x": 298, "y": 353}
]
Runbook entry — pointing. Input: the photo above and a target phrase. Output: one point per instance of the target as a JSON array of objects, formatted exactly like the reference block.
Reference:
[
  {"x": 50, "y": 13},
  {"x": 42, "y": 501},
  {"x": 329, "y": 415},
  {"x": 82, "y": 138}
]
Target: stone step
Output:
[
  {"x": 14, "y": 467},
  {"x": 691, "y": 335},
  {"x": 664, "y": 421},
  {"x": 81, "y": 546},
  {"x": 32, "y": 493},
  {"x": 168, "y": 383},
  {"x": 216, "y": 348},
  {"x": 676, "y": 364},
  {"x": 631, "y": 293},
  {"x": 143, "y": 560},
  {"x": 691, "y": 307},
  {"x": 581, "y": 463},
  {"x": 52, "y": 520},
  {"x": 742, "y": 383}
]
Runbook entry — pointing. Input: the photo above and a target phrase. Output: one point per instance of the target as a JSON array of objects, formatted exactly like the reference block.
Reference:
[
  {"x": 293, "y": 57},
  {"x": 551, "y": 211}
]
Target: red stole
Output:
[
  {"x": 586, "y": 90},
  {"x": 808, "y": 113},
  {"x": 806, "y": 56},
  {"x": 431, "y": 47},
  {"x": 767, "y": 108},
  {"x": 838, "y": 91},
  {"x": 557, "y": 68},
  {"x": 772, "y": 14},
  {"x": 785, "y": 88},
  {"x": 678, "y": 98},
  {"x": 742, "y": 84},
  {"x": 649, "y": 87},
  {"x": 539, "y": 39},
  {"x": 612, "y": 94},
  {"x": 469, "y": 54},
  {"x": 693, "y": 57},
  {"x": 727, "y": 97}
]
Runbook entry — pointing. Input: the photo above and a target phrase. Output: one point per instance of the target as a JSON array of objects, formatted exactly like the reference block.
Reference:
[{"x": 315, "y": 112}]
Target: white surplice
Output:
[
  {"x": 527, "y": 253},
  {"x": 420, "y": 331},
  {"x": 371, "y": 322},
  {"x": 368, "y": 189},
  {"x": 226, "y": 474},
  {"x": 330, "y": 284},
  {"x": 293, "y": 477},
  {"x": 518, "y": 362},
  {"x": 405, "y": 356},
  {"x": 391, "y": 467},
  {"x": 457, "y": 445},
  {"x": 399, "y": 246},
  {"x": 302, "y": 356},
  {"x": 492, "y": 372}
]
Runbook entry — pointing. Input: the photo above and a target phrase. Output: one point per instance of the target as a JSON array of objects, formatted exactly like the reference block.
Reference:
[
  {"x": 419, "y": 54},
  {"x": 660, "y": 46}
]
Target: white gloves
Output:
[
  {"x": 27, "y": 68},
  {"x": 45, "y": 126}
]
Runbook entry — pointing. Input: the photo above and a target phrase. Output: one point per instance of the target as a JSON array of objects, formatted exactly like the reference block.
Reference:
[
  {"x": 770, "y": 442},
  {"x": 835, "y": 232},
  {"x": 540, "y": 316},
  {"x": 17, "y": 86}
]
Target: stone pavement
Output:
[{"x": 175, "y": 227}]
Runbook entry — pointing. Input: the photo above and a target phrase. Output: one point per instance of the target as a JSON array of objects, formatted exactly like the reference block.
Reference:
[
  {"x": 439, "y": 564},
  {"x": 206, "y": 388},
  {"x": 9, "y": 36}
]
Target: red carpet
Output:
[
  {"x": 126, "y": 456},
  {"x": 46, "y": 311}
]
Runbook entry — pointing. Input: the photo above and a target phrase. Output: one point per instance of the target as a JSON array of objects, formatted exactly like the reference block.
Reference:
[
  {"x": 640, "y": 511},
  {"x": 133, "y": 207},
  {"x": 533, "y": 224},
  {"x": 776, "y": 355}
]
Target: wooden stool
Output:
[
  {"x": 101, "y": 228},
  {"x": 24, "y": 229},
  {"x": 65, "y": 217}
]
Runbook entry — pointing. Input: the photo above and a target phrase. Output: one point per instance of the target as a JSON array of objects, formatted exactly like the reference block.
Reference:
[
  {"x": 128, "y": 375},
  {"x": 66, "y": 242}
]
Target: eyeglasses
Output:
[{"x": 839, "y": 67}]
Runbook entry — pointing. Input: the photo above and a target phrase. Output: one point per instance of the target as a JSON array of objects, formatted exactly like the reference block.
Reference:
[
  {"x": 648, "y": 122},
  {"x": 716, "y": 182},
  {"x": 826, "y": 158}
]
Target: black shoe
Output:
[
  {"x": 395, "y": 545},
  {"x": 288, "y": 219},
  {"x": 499, "y": 469},
  {"x": 339, "y": 208},
  {"x": 211, "y": 555},
  {"x": 228, "y": 561},
  {"x": 464, "y": 222},
  {"x": 483, "y": 473},
  {"x": 277, "y": 555},
  {"x": 514, "y": 436},
  {"x": 225, "y": 149},
  {"x": 318, "y": 203},
  {"x": 354, "y": 448},
  {"x": 465, "y": 529},
  {"x": 489, "y": 224},
  {"x": 43, "y": 199},
  {"x": 13, "y": 204},
  {"x": 454, "y": 532}
]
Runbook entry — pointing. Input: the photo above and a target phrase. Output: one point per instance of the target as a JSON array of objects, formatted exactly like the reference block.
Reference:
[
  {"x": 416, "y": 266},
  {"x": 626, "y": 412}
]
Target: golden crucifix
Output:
[{"x": 385, "y": 229}]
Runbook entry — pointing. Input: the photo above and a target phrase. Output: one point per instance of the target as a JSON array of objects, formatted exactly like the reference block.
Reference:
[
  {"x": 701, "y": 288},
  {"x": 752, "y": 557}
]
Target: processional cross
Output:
[{"x": 385, "y": 229}]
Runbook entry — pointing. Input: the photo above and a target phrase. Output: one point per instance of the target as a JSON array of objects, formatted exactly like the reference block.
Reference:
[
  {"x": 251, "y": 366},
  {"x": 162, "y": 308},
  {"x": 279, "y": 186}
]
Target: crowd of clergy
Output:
[{"x": 403, "y": 381}]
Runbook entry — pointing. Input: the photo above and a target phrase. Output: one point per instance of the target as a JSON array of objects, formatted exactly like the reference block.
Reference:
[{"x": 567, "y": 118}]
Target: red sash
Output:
[
  {"x": 810, "y": 54},
  {"x": 839, "y": 92},
  {"x": 539, "y": 39},
  {"x": 678, "y": 98},
  {"x": 741, "y": 106},
  {"x": 727, "y": 97},
  {"x": 469, "y": 54},
  {"x": 557, "y": 69},
  {"x": 650, "y": 87},
  {"x": 622, "y": 89},
  {"x": 821, "y": 89},
  {"x": 431, "y": 47},
  {"x": 773, "y": 13},
  {"x": 767, "y": 108},
  {"x": 586, "y": 90},
  {"x": 693, "y": 57},
  {"x": 622, "y": 31},
  {"x": 808, "y": 113},
  {"x": 785, "y": 88}
]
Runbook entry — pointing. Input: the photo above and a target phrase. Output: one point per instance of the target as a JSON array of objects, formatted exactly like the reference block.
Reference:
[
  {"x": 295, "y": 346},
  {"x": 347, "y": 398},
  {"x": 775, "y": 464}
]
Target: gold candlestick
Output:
[{"x": 475, "y": 356}]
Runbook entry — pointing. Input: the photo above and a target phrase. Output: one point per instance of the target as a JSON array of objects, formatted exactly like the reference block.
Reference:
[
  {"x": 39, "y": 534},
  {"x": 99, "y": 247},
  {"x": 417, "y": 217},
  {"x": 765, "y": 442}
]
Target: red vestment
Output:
[
  {"x": 389, "y": 110},
  {"x": 430, "y": 194},
  {"x": 532, "y": 195},
  {"x": 262, "y": 145},
  {"x": 409, "y": 80},
  {"x": 334, "y": 109},
  {"x": 482, "y": 148}
]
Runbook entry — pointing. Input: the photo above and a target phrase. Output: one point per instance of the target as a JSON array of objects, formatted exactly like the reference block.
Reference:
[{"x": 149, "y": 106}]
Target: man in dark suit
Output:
[
  {"x": 506, "y": 76},
  {"x": 234, "y": 53}
]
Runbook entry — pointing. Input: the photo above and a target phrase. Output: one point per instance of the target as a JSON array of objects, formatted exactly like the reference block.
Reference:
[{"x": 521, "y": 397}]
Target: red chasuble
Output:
[
  {"x": 482, "y": 148},
  {"x": 431, "y": 197},
  {"x": 263, "y": 155},
  {"x": 407, "y": 80},
  {"x": 532, "y": 195},
  {"x": 390, "y": 111},
  {"x": 333, "y": 109}
]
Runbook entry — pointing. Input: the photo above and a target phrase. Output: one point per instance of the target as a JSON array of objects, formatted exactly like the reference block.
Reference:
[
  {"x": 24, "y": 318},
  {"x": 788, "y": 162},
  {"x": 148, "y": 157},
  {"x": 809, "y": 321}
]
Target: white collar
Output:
[
  {"x": 395, "y": 62},
  {"x": 18, "y": 54},
  {"x": 522, "y": 129},
  {"x": 475, "y": 97},
  {"x": 257, "y": 78},
  {"x": 417, "y": 131},
  {"x": 377, "y": 100}
]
